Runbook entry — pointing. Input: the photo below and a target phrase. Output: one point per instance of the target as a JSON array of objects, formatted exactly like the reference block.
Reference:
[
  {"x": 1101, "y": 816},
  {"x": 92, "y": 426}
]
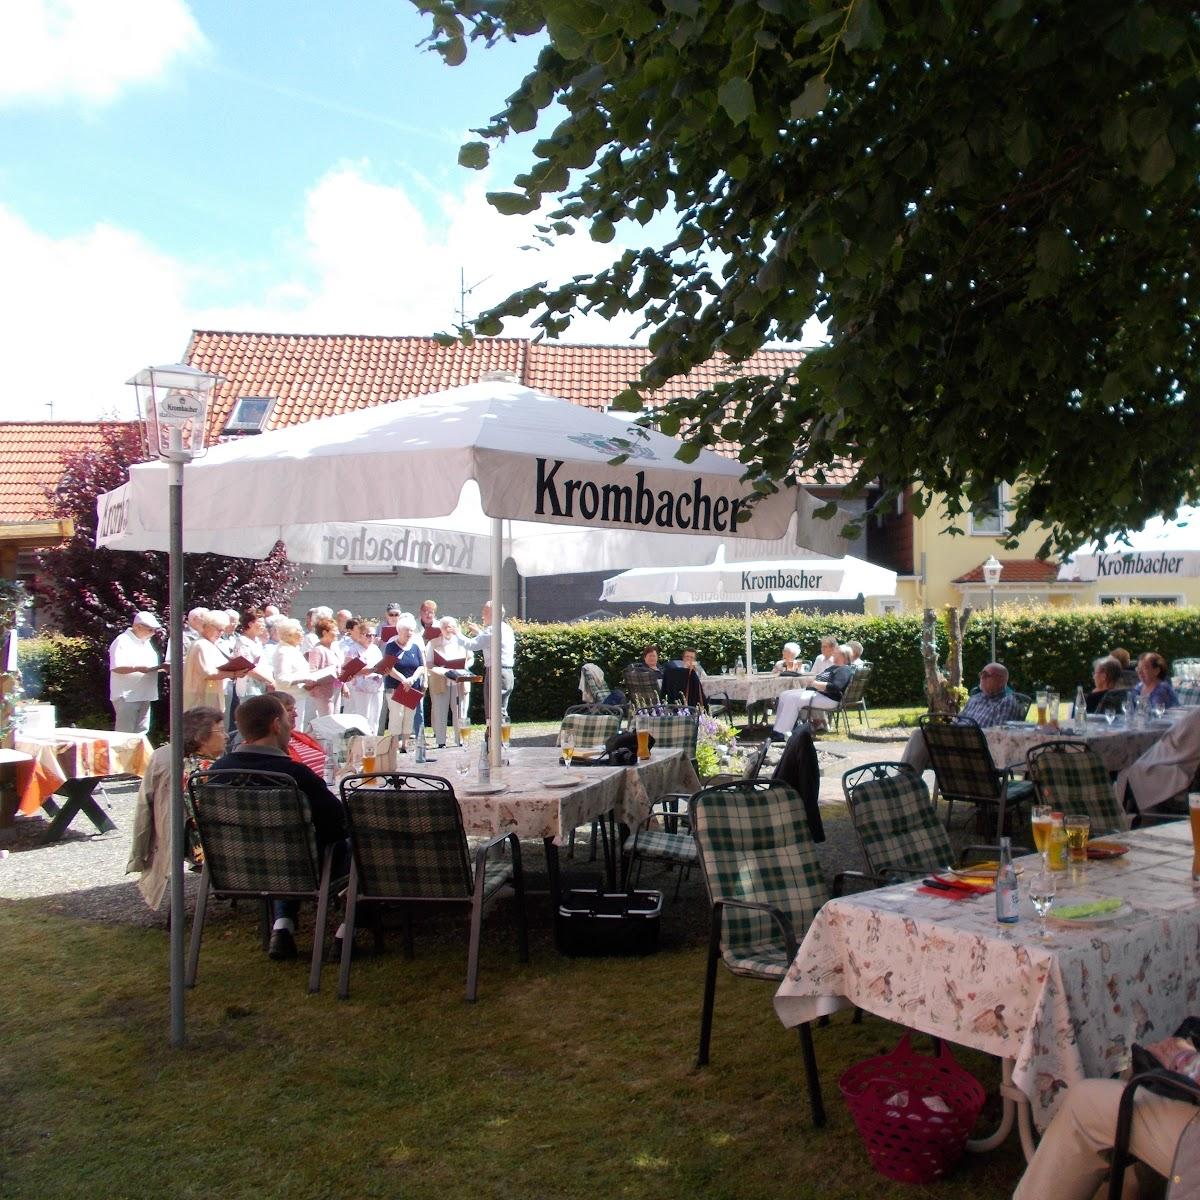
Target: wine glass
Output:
[
  {"x": 1157, "y": 709},
  {"x": 568, "y": 747},
  {"x": 1042, "y": 890},
  {"x": 1110, "y": 715}
]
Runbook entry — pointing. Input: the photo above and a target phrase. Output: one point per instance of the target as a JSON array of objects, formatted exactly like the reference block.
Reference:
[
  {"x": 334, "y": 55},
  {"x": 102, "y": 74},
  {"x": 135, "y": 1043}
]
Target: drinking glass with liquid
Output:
[
  {"x": 1040, "y": 822},
  {"x": 1194, "y": 817},
  {"x": 1078, "y": 828}
]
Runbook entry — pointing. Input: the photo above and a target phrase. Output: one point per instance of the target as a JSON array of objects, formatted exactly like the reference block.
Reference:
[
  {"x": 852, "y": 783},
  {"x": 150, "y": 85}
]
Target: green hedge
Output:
[
  {"x": 72, "y": 674},
  {"x": 1041, "y": 646}
]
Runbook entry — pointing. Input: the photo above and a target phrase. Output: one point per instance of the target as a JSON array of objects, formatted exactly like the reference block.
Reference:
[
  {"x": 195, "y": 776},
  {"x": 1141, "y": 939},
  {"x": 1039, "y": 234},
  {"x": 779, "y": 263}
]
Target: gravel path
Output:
[{"x": 83, "y": 875}]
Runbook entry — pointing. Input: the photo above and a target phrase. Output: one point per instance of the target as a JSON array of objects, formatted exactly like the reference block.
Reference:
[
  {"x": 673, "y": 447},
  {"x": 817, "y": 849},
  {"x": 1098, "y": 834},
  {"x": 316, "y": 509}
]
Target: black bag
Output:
[
  {"x": 596, "y": 923},
  {"x": 621, "y": 749},
  {"x": 1143, "y": 1060}
]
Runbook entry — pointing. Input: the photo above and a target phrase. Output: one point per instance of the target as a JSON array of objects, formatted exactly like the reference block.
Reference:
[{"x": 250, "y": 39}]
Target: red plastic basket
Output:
[{"x": 908, "y": 1140}]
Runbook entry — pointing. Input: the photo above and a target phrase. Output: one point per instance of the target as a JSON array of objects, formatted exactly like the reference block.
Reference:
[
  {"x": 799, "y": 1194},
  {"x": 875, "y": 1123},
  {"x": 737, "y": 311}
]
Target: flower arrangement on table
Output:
[{"x": 716, "y": 748}]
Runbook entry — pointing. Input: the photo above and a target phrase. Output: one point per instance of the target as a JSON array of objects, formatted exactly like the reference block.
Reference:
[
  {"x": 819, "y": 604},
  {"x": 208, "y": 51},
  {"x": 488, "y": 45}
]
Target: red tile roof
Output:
[
  {"x": 31, "y": 454},
  {"x": 1017, "y": 570},
  {"x": 317, "y": 375}
]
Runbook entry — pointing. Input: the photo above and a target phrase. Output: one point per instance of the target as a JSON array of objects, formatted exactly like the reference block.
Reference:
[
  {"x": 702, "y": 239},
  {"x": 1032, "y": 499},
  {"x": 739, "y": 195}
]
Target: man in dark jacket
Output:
[{"x": 265, "y": 728}]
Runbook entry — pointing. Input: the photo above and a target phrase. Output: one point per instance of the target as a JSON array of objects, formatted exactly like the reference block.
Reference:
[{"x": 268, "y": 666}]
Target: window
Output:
[
  {"x": 1161, "y": 601},
  {"x": 979, "y": 598},
  {"x": 890, "y": 606},
  {"x": 249, "y": 414},
  {"x": 989, "y": 516}
]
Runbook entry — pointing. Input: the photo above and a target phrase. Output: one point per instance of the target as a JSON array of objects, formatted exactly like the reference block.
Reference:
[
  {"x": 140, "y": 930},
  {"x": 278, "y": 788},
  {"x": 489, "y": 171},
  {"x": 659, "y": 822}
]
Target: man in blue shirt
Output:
[{"x": 993, "y": 704}]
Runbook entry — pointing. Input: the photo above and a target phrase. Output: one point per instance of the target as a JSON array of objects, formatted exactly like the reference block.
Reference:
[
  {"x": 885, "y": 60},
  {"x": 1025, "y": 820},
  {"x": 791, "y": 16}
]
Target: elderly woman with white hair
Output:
[
  {"x": 824, "y": 692},
  {"x": 447, "y": 696},
  {"x": 204, "y": 683},
  {"x": 790, "y": 663},
  {"x": 290, "y": 669},
  {"x": 403, "y": 671}
]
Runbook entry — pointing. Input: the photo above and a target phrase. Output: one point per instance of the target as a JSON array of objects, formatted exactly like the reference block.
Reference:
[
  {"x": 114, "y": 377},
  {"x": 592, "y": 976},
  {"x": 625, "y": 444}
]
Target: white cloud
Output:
[
  {"x": 89, "y": 50},
  {"x": 79, "y": 315}
]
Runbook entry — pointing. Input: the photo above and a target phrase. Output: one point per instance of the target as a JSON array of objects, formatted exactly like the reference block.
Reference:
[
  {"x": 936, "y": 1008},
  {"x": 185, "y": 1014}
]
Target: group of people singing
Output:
[{"x": 396, "y": 674}]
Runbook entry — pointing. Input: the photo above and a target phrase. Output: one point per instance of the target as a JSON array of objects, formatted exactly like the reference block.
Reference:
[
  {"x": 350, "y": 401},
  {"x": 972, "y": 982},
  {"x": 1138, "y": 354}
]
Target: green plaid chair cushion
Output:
[
  {"x": 668, "y": 847},
  {"x": 1071, "y": 777},
  {"x": 754, "y": 844},
  {"x": 409, "y": 842},
  {"x": 641, "y": 685},
  {"x": 962, "y": 761},
  {"x": 590, "y": 728},
  {"x": 898, "y": 826},
  {"x": 255, "y": 839},
  {"x": 592, "y": 684},
  {"x": 669, "y": 733}
]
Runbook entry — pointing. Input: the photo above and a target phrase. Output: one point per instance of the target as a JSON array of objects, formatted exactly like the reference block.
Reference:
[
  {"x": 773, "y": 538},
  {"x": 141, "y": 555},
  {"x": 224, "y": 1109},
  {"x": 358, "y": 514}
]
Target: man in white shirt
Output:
[
  {"x": 481, "y": 640},
  {"x": 133, "y": 667}
]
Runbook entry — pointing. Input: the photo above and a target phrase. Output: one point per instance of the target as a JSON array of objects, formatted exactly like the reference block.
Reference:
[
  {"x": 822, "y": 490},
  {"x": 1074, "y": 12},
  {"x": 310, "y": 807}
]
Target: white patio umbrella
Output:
[
  {"x": 794, "y": 580},
  {"x": 493, "y": 459},
  {"x": 1161, "y": 550}
]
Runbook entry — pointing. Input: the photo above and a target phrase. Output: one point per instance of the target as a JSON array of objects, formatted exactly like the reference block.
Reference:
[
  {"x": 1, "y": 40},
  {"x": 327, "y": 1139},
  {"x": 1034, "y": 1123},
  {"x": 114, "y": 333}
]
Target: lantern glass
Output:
[
  {"x": 991, "y": 571},
  {"x": 173, "y": 403}
]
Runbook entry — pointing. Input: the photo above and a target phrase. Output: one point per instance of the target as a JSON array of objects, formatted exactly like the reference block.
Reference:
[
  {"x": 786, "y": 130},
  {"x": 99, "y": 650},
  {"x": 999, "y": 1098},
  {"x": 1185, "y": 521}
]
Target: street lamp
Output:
[
  {"x": 173, "y": 403},
  {"x": 991, "y": 576}
]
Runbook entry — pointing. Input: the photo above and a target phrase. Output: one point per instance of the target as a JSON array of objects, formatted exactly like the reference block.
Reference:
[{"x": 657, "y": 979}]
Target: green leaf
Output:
[
  {"x": 602, "y": 230},
  {"x": 1002, "y": 10},
  {"x": 522, "y": 118},
  {"x": 1055, "y": 254},
  {"x": 1157, "y": 163},
  {"x": 1147, "y": 124},
  {"x": 1114, "y": 133},
  {"x": 510, "y": 204},
  {"x": 453, "y": 51},
  {"x": 812, "y": 99},
  {"x": 826, "y": 252},
  {"x": 736, "y": 97},
  {"x": 864, "y": 27},
  {"x": 688, "y": 8},
  {"x": 474, "y": 155},
  {"x": 689, "y": 452},
  {"x": 1020, "y": 147}
]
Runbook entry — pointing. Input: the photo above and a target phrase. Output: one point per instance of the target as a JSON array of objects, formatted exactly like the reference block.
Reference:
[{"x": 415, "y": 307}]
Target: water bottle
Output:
[
  {"x": 421, "y": 747},
  {"x": 739, "y": 667},
  {"x": 1006, "y": 885},
  {"x": 1080, "y": 713},
  {"x": 485, "y": 765}
]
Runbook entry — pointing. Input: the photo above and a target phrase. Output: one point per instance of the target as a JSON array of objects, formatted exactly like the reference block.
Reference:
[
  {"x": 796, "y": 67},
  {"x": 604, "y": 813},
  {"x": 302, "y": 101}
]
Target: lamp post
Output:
[
  {"x": 991, "y": 576},
  {"x": 173, "y": 403}
]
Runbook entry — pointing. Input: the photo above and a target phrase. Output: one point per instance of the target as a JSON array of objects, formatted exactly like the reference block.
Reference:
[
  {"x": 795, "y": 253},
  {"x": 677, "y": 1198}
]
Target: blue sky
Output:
[{"x": 291, "y": 167}]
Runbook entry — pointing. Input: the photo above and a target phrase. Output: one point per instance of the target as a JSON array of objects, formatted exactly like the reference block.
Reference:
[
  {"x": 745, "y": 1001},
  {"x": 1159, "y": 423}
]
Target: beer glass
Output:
[
  {"x": 1194, "y": 817},
  {"x": 1078, "y": 828},
  {"x": 1041, "y": 822},
  {"x": 1041, "y": 698},
  {"x": 369, "y": 755},
  {"x": 643, "y": 744}
]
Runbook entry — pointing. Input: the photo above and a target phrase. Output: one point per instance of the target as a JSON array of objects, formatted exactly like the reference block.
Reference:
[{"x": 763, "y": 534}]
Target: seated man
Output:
[
  {"x": 994, "y": 704},
  {"x": 825, "y": 691},
  {"x": 266, "y": 730},
  {"x": 682, "y": 680}
]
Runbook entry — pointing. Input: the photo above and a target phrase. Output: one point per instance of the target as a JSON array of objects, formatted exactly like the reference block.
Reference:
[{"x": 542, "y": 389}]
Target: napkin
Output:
[{"x": 1091, "y": 908}]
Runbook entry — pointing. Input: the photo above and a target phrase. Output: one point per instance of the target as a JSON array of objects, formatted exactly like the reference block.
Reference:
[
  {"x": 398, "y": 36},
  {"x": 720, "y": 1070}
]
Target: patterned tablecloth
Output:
[
  {"x": 532, "y": 806},
  {"x": 750, "y": 689},
  {"x": 76, "y": 754},
  {"x": 1061, "y": 1009},
  {"x": 1116, "y": 745}
]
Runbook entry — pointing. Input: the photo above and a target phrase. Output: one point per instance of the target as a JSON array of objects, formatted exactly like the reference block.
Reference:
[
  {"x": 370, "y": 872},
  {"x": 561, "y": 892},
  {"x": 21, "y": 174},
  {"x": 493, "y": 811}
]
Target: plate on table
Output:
[
  {"x": 1104, "y": 849},
  {"x": 1018, "y": 725},
  {"x": 983, "y": 870},
  {"x": 1102, "y": 918},
  {"x": 485, "y": 789},
  {"x": 568, "y": 779}
]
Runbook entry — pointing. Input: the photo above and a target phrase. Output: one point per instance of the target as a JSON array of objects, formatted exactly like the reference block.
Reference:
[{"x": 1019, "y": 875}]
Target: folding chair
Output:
[
  {"x": 408, "y": 848},
  {"x": 1182, "y": 1183},
  {"x": 854, "y": 699},
  {"x": 765, "y": 885},
  {"x": 257, "y": 835},
  {"x": 641, "y": 686}
]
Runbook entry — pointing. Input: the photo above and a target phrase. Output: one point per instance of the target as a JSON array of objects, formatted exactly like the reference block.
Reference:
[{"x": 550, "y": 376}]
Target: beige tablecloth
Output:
[
  {"x": 533, "y": 807},
  {"x": 1063, "y": 1009},
  {"x": 1116, "y": 745},
  {"x": 750, "y": 689}
]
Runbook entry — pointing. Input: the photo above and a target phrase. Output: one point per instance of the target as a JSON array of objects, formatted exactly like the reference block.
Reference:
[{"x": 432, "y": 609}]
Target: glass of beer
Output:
[
  {"x": 643, "y": 743},
  {"x": 1052, "y": 707},
  {"x": 1040, "y": 822},
  {"x": 505, "y": 734},
  {"x": 1194, "y": 817},
  {"x": 1078, "y": 828},
  {"x": 1056, "y": 844},
  {"x": 369, "y": 753},
  {"x": 568, "y": 748},
  {"x": 1042, "y": 701}
]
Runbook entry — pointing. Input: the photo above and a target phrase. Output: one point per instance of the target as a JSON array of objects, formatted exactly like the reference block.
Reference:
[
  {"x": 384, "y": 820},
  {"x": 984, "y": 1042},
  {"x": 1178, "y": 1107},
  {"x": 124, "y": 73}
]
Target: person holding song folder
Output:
[
  {"x": 364, "y": 688},
  {"x": 403, "y": 669},
  {"x": 445, "y": 657}
]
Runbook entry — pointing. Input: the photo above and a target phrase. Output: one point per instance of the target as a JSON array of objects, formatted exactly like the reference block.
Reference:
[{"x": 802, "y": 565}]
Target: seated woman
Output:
[
  {"x": 1107, "y": 692},
  {"x": 302, "y": 747},
  {"x": 790, "y": 663},
  {"x": 203, "y": 738},
  {"x": 1154, "y": 681},
  {"x": 594, "y": 689},
  {"x": 825, "y": 692},
  {"x": 824, "y": 660}
]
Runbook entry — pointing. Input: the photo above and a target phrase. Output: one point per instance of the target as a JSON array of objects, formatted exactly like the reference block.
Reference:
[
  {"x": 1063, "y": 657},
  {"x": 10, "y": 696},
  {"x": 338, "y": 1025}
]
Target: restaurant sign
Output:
[{"x": 1140, "y": 566}]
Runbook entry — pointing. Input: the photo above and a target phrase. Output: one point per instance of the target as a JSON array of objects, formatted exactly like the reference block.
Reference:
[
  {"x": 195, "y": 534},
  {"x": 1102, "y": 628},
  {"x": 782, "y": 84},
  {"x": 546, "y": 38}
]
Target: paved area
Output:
[{"x": 83, "y": 875}]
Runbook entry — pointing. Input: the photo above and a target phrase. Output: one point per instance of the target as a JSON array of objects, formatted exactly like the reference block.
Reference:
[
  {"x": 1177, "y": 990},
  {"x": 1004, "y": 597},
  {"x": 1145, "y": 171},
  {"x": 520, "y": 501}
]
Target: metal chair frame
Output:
[{"x": 1161, "y": 1080}]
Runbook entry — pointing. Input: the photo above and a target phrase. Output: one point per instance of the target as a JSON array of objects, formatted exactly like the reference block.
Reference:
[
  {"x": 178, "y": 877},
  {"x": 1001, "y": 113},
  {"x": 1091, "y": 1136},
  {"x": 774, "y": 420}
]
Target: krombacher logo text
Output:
[
  {"x": 1144, "y": 564},
  {"x": 633, "y": 504},
  {"x": 782, "y": 581},
  {"x": 417, "y": 548}
]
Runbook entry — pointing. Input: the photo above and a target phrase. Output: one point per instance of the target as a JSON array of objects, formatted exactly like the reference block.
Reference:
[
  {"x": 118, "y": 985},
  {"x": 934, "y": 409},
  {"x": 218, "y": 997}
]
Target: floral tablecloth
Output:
[
  {"x": 1117, "y": 746},
  {"x": 750, "y": 689},
  {"x": 75, "y": 754},
  {"x": 1062, "y": 1010},
  {"x": 532, "y": 806}
]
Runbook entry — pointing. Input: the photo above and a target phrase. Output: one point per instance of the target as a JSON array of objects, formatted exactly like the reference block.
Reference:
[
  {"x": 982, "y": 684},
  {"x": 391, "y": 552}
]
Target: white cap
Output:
[{"x": 148, "y": 619}]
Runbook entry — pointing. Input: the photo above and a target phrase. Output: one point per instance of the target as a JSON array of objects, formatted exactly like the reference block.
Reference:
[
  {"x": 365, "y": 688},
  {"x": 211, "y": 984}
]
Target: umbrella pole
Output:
[
  {"x": 748, "y": 645},
  {"x": 493, "y": 678}
]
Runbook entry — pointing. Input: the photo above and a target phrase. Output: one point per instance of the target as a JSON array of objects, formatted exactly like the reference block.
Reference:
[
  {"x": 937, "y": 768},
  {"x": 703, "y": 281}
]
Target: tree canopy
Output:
[{"x": 992, "y": 203}]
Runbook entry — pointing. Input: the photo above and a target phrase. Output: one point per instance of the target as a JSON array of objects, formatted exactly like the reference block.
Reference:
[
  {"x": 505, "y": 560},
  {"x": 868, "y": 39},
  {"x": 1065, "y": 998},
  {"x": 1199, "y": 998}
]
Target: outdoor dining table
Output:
[
  {"x": 536, "y": 797},
  {"x": 1055, "y": 1011},
  {"x": 1117, "y": 744},
  {"x": 751, "y": 689},
  {"x": 71, "y": 763}
]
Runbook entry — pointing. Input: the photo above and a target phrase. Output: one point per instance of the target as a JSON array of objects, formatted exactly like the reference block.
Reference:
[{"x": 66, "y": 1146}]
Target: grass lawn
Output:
[{"x": 568, "y": 1078}]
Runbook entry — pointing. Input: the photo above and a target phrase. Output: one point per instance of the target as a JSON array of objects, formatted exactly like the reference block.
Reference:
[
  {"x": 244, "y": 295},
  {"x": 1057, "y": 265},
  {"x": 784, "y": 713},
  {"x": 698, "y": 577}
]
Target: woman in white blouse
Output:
[
  {"x": 364, "y": 692},
  {"x": 203, "y": 681},
  {"x": 825, "y": 659},
  {"x": 448, "y": 695},
  {"x": 290, "y": 668}
]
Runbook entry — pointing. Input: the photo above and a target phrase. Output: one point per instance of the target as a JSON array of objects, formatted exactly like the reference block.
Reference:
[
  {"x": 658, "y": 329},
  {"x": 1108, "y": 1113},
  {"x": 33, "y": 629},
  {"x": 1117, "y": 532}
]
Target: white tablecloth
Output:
[
  {"x": 1116, "y": 745},
  {"x": 531, "y": 808},
  {"x": 750, "y": 689},
  {"x": 1063, "y": 1009}
]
